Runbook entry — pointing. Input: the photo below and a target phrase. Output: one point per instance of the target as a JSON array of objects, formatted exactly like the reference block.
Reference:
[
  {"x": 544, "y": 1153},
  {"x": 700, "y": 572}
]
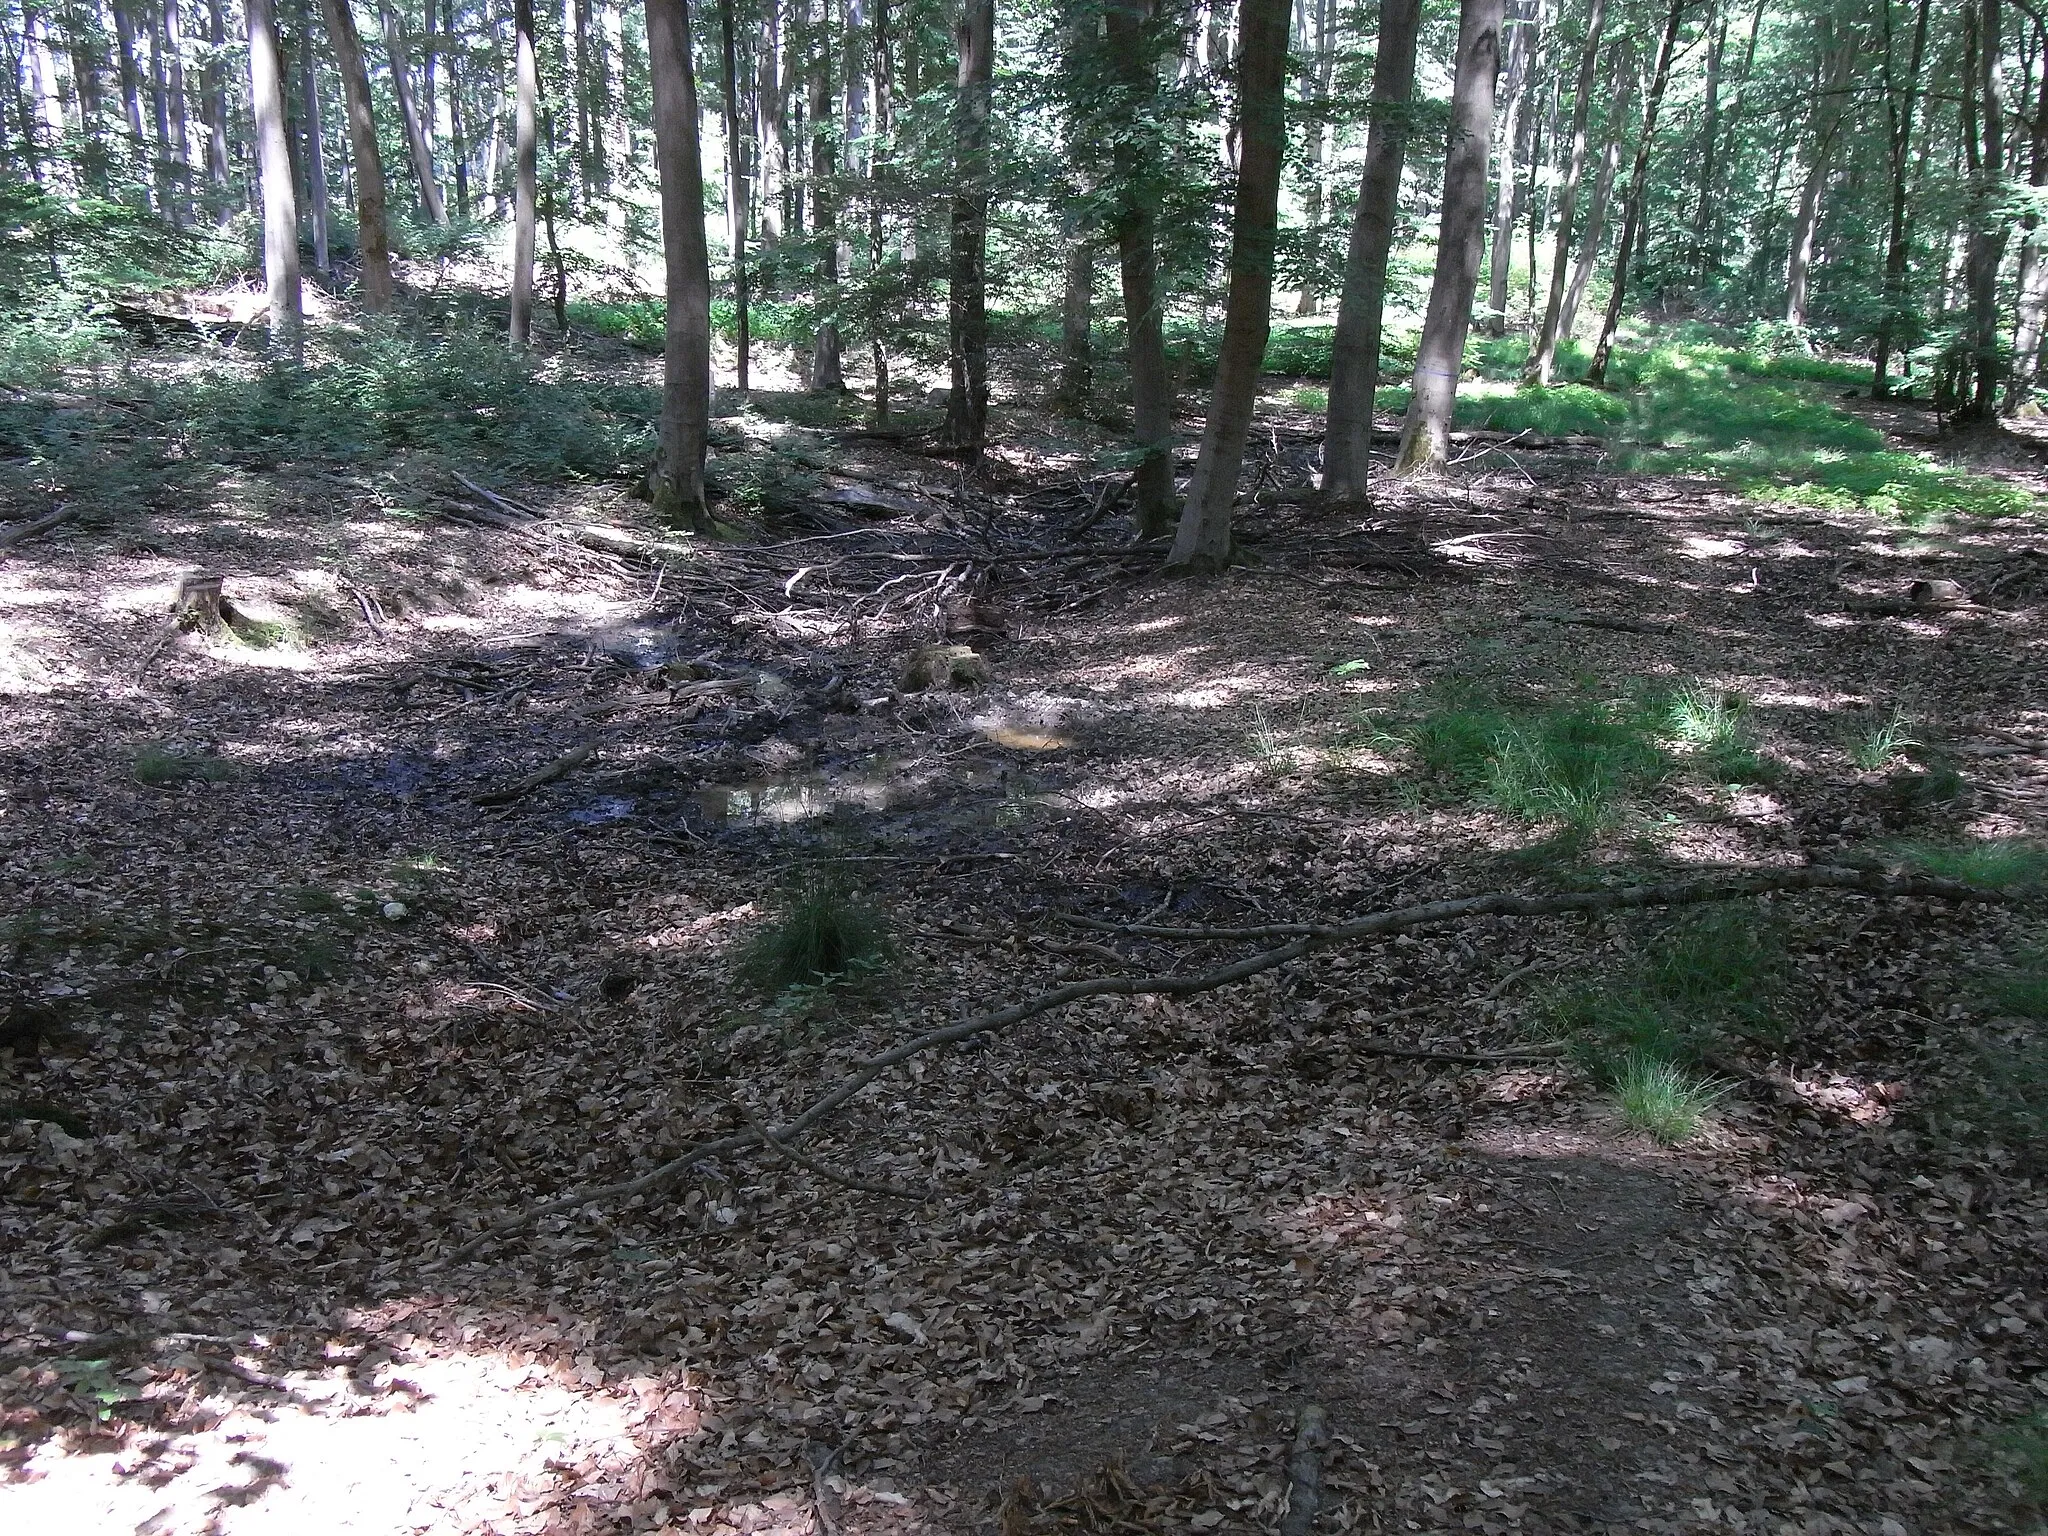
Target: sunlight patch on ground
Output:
[
  {"x": 431, "y": 1444},
  {"x": 1849, "y": 1098}
]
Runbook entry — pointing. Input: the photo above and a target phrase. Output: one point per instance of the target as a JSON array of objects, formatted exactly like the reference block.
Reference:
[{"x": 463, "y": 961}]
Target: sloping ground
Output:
[{"x": 293, "y": 1014}]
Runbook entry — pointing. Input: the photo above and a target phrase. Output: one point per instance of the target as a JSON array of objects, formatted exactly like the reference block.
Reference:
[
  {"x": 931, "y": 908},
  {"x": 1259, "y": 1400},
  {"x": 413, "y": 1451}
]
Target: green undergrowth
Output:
[
  {"x": 823, "y": 930},
  {"x": 1578, "y": 760},
  {"x": 1689, "y": 987},
  {"x": 1997, "y": 863}
]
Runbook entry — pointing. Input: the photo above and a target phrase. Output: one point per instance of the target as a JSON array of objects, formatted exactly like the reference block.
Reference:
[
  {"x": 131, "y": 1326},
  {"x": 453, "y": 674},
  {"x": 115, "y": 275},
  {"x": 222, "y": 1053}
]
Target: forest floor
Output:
[{"x": 296, "y": 1007}]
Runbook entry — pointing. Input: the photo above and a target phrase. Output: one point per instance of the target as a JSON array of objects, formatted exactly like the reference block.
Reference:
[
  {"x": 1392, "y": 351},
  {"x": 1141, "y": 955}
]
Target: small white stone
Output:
[{"x": 394, "y": 911}]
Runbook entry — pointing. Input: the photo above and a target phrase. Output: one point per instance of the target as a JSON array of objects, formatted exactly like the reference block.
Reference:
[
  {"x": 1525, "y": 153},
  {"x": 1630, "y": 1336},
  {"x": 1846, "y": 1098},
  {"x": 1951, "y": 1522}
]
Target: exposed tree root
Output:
[{"x": 1303, "y": 939}]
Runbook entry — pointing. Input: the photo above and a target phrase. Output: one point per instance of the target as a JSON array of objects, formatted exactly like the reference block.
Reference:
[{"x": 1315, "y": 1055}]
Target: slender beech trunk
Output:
[
  {"x": 1987, "y": 231},
  {"x": 181, "y": 128},
  {"x": 967, "y": 294},
  {"x": 161, "y": 169},
  {"x": 215, "y": 105},
  {"x": 1077, "y": 318},
  {"x": 826, "y": 372},
  {"x": 735, "y": 188},
  {"x": 1355, "y": 347},
  {"x": 1710, "y": 138},
  {"x": 525, "y": 189},
  {"x": 314, "y": 157},
  {"x": 1588, "y": 258},
  {"x": 2033, "y": 274},
  {"x": 274, "y": 167},
  {"x": 1203, "y": 540},
  {"x": 372, "y": 236},
  {"x": 678, "y": 476},
  {"x": 1316, "y": 82},
  {"x": 1440, "y": 354},
  {"x": 771, "y": 127},
  {"x": 1822, "y": 127},
  {"x": 1543, "y": 357},
  {"x": 1519, "y": 25},
  {"x": 83, "y": 47},
  {"x": 878, "y": 157},
  {"x": 1900, "y": 101},
  {"x": 131, "y": 92},
  {"x": 589, "y": 149},
  {"x": 1136, "y": 164},
  {"x": 416, "y": 141},
  {"x": 458, "y": 133},
  {"x": 1632, "y": 207}
]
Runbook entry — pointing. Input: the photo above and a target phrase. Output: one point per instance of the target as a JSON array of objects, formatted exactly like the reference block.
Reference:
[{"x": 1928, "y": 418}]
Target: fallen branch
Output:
[
  {"x": 1303, "y": 939},
  {"x": 575, "y": 757},
  {"x": 829, "y": 1175},
  {"x": 1305, "y": 1471},
  {"x": 10, "y": 537}
]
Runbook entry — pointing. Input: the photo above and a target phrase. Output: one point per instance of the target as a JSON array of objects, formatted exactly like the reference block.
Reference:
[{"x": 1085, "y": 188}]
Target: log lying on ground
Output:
[
  {"x": 21, "y": 533},
  {"x": 1302, "y": 939}
]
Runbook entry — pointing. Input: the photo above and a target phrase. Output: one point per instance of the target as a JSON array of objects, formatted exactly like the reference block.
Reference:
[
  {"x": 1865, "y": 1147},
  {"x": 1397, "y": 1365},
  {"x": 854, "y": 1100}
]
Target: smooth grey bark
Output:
[
  {"x": 216, "y": 109},
  {"x": 1590, "y": 239},
  {"x": 2032, "y": 286},
  {"x": 1135, "y": 227},
  {"x": 417, "y": 143},
  {"x": 771, "y": 124},
  {"x": 1632, "y": 208},
  {"x": 131, "y": 88},
  {"x": 161, "y": 171},
  {"x": 678, "y": 476},
  {"x": 1077, "y": 315},
  {"x": 274, "y": 169},
  {"x": 967, "y": 289},
  {"x": 735, "y": 188},
  {"x": 1440, "y": 354},
  {"x": 458, "y": 131},
  {"x": 1543, "y": 356},
  {"x": 313, "y": 158},
  {"x": 1321, "y": 53},
  {"x": 1355, "y": 346},
  {"x": 181, "y": 128},
  {"x": 1821, "y": 130},
  {"x": 827, "y": 374},
  {"x": 525, "y": 174},
  {"x": 1988, "y": 234},
  {"x": 1203, "y": 542},
  {"x": 878, "y": 158},
  {"x": 1519, "y": 24},
  {"x": 1900, "y": 103}
]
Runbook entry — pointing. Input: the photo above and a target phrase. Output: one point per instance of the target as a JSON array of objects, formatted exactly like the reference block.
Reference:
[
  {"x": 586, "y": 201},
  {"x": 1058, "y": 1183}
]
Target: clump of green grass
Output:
[
  {"x": 1574, "y": 761},
  {"x": 1663, "y": 1099},
  {"x": 1709, "y": 974},
  {"x": 1880, "y": 745},
  {"x": 1710, "y": 725},
  {"x": 1998, "y": 863},
  {"x": 2023, "y": 989},
  {"x": 160, "y": 766},
  {"x": 824, "y": 930}
]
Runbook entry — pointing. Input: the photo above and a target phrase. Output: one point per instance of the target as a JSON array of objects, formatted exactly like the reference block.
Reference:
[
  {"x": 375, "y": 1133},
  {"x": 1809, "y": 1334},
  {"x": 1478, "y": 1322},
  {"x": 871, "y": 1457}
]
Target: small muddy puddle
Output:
[{"x": 777, "y": 802}]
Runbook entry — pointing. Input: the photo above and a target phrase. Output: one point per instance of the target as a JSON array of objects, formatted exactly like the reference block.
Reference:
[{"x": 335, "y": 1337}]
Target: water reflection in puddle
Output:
[{"x": 780, "y": 801}]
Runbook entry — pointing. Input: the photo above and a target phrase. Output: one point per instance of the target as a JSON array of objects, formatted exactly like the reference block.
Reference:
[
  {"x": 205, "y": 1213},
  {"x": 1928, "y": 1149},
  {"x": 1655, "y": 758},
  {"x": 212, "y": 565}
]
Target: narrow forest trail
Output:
[{"x": 306, "y": 989}]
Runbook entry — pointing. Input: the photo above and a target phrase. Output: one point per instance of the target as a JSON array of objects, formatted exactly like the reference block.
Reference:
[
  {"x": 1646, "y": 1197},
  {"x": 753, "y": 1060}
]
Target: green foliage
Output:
[
  {"x": 2023, "y": 989},
  {"x": 2023, "y": 1451},
  {"x": 1707, "y": 975},
  {"x": 1573, "y": 761},
  {"x": 1709, "y": 724},
  {"x": 1663, "y": 1099},
  {"x": 161, "y": 767},
  {"x": 1877, "y": 746},
  {"x": 824, "y": 930},
  {"x": 1997, "y": 864}
]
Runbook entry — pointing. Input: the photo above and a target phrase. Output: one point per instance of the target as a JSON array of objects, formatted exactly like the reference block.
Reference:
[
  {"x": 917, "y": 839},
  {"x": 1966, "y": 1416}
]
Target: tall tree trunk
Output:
[
  {"x": 1440, "y": 354},
  {"x": 1588, "y": 258},
  {"x": 216, "y": 106},
  {"x": 878, "y": 156},
  {"x": 161, "y": 171},
  {"x": 1077, "y": 317},
  {"x": 1138, "y": 167},
  {"x": 1519, "y": 24},
  {"x": 1632, "y": 207},
  {"x": 735, "y": 187},
  {"x": 1900, "y": 102},
  {"x": 1822, "y": 127},
  {"x": 1543, "y": 356},
  {"x": 181, "y": 128},
  {"x": 416, "y": 140},
  {"x": 458, "y": 133},
  {"x": 967, "y": 295},
  {"x": 1710, "y": 138},
  {"x": 274, "y": 167},
  {"x": 678, "y": 477},
  {"x": 1987, "y": 230},
  {"x": 2032, "y": 286},
  {"x": 1316, "y": 82},
  {"x": 83, "y": 46},
  {"x": 826, "y": 372},
  {"x": 589, "y": 145},
  {"x": 131, "y": 92},
  {"x": 1203, "y": 540},
  {"x": 314, "y": 159},
  {"x": 1355, "y": 348},
  {"x": 372, "y": 236},
  {"x": 526, "y": 169},
  {"x": 771, "y": 129}
]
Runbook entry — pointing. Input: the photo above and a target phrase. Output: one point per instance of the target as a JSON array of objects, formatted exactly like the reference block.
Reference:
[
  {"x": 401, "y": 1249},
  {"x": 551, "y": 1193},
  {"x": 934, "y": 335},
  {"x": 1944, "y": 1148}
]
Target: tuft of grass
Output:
[
  {"x": 1998, "y": 863},
  {"x": 1574, "y": 762},
  {"x": 824, "y": 930},
  {"x": 1709, "y": 724},
  {"x": 1878, "y": 746},
  {"x": 2003, "y": 1095},
  {"x": 160, "y": 766},
  {"x": 2022, "y": 990},
  {"x": 1664, "y": 1099}
]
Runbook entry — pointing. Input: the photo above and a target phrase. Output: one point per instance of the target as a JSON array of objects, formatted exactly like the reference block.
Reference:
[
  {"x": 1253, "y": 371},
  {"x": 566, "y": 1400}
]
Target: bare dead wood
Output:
[
  {"x": 510, "y": 508},
  {"x": 575, "y": 757},
  {"x": 10, "y": 537},
  {"x": 1305, "y": 1471},
  {"x": 1302, "y": 939}
]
